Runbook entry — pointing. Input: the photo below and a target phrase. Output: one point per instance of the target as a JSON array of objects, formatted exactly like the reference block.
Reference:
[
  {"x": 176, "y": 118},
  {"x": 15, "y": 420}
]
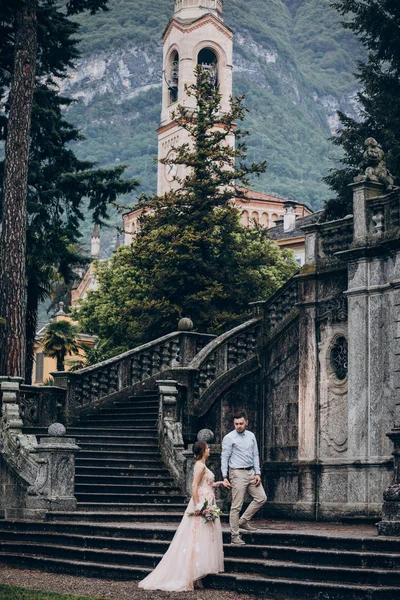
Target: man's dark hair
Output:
[{"x": 240, "y": 414}]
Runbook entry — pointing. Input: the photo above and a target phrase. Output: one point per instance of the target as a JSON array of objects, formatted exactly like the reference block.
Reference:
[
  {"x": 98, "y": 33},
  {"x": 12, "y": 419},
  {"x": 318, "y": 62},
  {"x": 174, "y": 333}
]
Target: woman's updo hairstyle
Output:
[{"x": 198, "y": 450}]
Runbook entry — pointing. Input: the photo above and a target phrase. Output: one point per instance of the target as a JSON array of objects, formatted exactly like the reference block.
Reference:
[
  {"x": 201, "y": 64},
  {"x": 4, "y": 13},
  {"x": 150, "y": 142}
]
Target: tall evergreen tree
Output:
[
  {"x": 191, "y": 256},
  {"x": 58, "y": 182},
  {"x": 377, "y": 24}
]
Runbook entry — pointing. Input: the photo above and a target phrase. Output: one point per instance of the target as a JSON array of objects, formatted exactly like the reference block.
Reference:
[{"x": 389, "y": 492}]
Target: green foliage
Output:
[
  {"x": 191, "y": 256},
  {"x": 62, "y": 189},
  {"x": 313, "y": 65},
  {"x": 378, "y": 26},
  {"x": 59, "y": 340}
]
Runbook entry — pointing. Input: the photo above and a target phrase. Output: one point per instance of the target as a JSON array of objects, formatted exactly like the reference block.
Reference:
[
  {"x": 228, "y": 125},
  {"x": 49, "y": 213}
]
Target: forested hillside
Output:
[{"x": 292, "y": 58}]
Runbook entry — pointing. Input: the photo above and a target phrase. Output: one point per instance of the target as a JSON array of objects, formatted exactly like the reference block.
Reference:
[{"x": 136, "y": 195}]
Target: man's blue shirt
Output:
[{"x": 239, "y": 450}]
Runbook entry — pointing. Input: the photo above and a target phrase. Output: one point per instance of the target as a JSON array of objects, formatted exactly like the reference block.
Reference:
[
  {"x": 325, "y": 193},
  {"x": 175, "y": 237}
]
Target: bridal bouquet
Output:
[{"x": 209, "y": 512}]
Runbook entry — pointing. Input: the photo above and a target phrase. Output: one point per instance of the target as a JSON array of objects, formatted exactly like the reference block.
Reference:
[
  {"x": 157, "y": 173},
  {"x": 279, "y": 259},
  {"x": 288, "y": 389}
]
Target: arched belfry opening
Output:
[
  {"x": 208, "y": 61},
  {"x": 172, "y": 76}
]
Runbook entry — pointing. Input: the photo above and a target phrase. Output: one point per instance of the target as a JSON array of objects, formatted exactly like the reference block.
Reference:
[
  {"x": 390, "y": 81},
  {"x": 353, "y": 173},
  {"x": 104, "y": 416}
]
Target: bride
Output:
[{"x": 196, "y": 549}]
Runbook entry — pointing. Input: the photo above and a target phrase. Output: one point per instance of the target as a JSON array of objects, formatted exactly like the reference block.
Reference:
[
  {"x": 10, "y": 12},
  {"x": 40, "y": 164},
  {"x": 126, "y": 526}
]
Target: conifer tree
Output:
[
  {"x": 191, "y": 256},
  {"x": 57, "y": 181},
  {"x": 377, "y": 24}
]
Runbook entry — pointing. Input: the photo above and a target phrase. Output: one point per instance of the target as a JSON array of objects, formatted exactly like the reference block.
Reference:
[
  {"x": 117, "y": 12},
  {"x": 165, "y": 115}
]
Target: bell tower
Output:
[{"x": 196, "y": 34}]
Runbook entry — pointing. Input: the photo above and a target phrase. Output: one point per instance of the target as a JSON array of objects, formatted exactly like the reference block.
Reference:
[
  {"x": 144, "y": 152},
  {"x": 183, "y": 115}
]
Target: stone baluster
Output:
[{"x": 170, "y": 429}]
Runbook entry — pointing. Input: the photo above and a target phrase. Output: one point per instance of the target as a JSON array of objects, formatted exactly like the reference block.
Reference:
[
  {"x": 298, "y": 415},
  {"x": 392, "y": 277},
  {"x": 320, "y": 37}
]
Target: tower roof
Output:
[{"x": 193, "y": 9}]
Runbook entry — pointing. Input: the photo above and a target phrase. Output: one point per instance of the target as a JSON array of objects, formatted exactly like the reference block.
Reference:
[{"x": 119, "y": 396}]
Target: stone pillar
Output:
[
  {"x": 362, "y": 191},
  {"x": 308, "y": 396}
]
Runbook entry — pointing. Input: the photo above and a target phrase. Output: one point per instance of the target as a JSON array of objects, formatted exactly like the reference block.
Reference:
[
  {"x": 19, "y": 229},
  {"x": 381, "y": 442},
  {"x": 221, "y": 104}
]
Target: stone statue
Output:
[{"x": 376, "y": 169}]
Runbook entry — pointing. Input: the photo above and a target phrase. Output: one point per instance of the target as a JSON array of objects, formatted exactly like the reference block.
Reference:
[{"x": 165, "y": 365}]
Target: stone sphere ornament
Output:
[
  {"x": 205, "y": 435},
  {"x": 185, "y": 324},
  {"x": 57, "y": 430}
]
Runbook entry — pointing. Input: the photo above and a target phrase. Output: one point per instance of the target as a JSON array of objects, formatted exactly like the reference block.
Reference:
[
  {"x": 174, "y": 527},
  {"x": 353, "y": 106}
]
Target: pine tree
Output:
[
  {"x": 377, "y": 24},
  {"x": 58, "y": 182},
  {"x": 191, "y": 256}
]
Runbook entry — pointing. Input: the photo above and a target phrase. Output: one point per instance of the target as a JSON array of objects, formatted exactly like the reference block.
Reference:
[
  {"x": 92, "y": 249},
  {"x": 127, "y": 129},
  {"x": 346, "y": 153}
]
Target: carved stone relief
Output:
[{"x": 333, "y": 409}]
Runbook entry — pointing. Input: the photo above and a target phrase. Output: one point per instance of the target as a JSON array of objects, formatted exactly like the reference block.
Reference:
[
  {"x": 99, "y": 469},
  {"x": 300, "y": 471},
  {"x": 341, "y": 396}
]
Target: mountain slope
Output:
[{"x": 292, "y": 59}]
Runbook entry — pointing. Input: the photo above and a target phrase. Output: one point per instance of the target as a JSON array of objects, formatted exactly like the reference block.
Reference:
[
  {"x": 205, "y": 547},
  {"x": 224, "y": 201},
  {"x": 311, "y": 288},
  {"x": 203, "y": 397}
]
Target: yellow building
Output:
[{"x": 44, "y": 365}]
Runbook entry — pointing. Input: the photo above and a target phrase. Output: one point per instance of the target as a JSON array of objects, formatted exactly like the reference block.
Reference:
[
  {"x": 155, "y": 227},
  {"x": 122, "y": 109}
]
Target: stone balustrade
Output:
[
  {"x": 36, "y": 476},
  {"x": 223, "y": 354},
  {"x": 87, "y": 387},
  {"x": 278, "y": 307},
  {"x": 40, "y": 406}
]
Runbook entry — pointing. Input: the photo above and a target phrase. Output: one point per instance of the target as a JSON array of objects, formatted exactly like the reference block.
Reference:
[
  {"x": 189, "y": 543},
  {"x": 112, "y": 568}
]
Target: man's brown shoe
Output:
[
  {"x": 236, "y": 539},
  {"x": 245, "y": 525}
]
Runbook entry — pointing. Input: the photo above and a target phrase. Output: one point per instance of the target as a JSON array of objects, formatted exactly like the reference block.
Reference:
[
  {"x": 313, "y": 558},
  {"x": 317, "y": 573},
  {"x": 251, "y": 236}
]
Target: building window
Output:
[
  {"x": 339, "y": 358},
  {"x": 39, "y": 366},
  {"x": 172, "y": 77},
  {"x": 209, "y": 63}
]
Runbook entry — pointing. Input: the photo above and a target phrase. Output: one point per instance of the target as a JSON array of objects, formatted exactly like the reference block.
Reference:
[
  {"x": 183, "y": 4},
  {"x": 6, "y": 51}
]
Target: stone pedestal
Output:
[{"x": 55, "y": 481}]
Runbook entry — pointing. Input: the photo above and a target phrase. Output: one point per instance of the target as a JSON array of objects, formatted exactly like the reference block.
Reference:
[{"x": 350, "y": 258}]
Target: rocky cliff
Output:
[{"x": 292, "y": 58}]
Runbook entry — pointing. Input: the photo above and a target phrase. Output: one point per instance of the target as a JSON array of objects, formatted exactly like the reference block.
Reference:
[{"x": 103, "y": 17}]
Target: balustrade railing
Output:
[
  {"x": 224, "y": 353},
  {"x": 279, "y": 306},
  {"x": 87, "y": 387},
  {"x": 40, "y": 406}
]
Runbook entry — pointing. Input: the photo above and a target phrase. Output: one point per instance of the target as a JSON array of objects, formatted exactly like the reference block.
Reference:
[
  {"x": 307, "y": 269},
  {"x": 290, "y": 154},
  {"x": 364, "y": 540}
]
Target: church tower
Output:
[{"x": 195, "y": 35}]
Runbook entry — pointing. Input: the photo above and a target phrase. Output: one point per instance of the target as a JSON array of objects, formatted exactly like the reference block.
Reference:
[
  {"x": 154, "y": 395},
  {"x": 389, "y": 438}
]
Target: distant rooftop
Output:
[{"x": 277, "y": 232}]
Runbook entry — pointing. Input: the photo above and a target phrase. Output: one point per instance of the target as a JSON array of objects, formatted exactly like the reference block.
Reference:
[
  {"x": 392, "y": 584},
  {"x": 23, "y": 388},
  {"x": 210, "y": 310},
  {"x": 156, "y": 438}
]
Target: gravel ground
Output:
[{"x": 103, "y": 588}]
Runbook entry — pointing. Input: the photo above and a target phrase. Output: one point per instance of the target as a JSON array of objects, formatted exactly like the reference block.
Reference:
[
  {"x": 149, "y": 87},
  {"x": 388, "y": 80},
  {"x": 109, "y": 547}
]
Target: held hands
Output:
[
  {"x": 226, "y": 483},
  {"x": 257, "y": 480}
]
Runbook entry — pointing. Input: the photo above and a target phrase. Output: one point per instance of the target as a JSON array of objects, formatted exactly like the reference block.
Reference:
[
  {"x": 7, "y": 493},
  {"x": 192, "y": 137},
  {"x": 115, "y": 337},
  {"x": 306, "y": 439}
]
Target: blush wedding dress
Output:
[{"x": 195, "y": 551}]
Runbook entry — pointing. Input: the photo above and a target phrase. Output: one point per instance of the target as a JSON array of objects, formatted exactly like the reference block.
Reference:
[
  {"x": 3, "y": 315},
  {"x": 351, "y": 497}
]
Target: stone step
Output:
[
  {"x": 135, "y": 543},
  {"x": 123, "y": 440},
  {"x": 146, "y": 491},
  {"x": 150, "y": 472},
  {"x": 138, "y": 432},
  {"x": 131, "y": 453},
  {"x": 114, "y": 447},
  {"x": 110, "y": 513},
  {"x": 287, "y": 540},
  {"x": 95, "y": 459},
  {"x": 265, "y": 568},
  {"x": 152, "y": 404},
  {"x": 119, "y": 497},
  {"x": 116, "y": 420},
  {"x": 131, "y": 479},
  {"x": 294, "y": 589},
  {"x": 239, "y": 582},
  {"x": 133, "y": 409},
  {"x": 131, "y": 414}
]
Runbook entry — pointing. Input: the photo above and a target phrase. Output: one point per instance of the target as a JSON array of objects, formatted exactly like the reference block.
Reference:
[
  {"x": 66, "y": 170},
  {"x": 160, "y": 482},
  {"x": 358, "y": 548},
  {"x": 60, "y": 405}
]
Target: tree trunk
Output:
[
  {"x": 31, "y": 325},
  {"x": 13, "y": 235},
  {"x": 60, "y": 361}
]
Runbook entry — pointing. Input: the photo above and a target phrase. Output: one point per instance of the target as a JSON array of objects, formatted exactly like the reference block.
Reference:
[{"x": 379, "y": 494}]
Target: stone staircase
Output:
[
  {"x": 120, "y": 474},
  {"x": 129, "y": 507},
  {"x": 274, "y": 563}
]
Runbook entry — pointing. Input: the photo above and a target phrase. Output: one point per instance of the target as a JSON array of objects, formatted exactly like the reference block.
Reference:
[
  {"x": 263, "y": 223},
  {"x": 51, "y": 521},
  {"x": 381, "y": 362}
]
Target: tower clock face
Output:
[{"x": 170, "y": 168}]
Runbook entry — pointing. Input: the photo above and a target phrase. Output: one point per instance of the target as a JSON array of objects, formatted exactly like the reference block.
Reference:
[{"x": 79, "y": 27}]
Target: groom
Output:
[{"x": 240, "y": 455}]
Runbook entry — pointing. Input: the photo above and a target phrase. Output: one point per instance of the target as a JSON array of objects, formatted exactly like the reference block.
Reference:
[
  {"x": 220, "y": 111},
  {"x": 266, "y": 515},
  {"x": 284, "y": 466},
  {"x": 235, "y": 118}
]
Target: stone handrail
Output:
[
  {"x": 224, "y": 353},
  {"x": 87, "y": 387},
  {"x": 40, "y": 406},
  {"x": 279, "y": 306}
]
